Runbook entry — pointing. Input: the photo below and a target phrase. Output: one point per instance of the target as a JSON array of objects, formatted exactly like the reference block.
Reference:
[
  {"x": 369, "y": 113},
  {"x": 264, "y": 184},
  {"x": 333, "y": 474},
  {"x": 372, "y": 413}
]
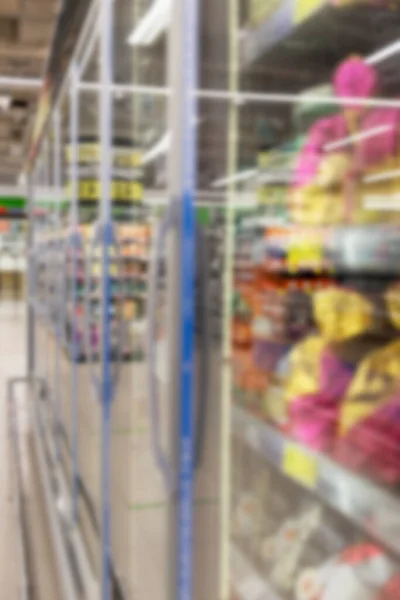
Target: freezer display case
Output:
[
  {"x": 216, "y": 301},
  {"x": 313, "y": 336}
]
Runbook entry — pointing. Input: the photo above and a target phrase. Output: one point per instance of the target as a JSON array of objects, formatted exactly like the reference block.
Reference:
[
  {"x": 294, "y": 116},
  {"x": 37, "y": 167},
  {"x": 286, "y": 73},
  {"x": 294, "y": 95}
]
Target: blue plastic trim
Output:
[
  {"x": 187, "y": 248},
  {"x": 186, "y": 470}
]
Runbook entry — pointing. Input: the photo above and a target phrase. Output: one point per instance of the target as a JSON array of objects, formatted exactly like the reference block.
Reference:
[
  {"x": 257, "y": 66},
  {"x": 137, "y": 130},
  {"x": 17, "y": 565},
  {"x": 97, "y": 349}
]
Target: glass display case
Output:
[
  {"x": 314, "y": 361},
  {"x": 242, "y": 315}
]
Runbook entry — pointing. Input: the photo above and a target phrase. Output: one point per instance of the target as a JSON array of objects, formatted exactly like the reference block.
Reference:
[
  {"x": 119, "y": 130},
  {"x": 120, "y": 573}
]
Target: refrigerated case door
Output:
[
  {"x": 141, "y": 501},
  {"x": 312, "y": 321}
]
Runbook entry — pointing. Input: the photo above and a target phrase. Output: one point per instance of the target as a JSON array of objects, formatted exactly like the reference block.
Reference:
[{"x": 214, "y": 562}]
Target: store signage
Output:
[{"x": 127, "y": 173}]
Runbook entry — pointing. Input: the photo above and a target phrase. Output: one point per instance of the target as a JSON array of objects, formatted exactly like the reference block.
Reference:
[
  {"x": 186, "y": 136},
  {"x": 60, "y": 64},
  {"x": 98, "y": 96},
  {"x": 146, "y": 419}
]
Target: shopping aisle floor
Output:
[{"x": 12, "y": 363}]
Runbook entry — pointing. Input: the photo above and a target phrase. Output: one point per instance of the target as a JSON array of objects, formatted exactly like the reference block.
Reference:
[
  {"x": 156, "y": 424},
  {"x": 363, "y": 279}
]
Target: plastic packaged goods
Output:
[
  {"x": 314, "y": 389},
  {"x": 339, "y": 182},
  {"x": 369, "y": 432},
  {"x": 360, "y": 572},
  {"x": 316, "y": 413}
]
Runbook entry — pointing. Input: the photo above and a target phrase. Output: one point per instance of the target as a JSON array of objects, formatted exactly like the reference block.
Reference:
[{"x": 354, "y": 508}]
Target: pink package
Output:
[
  {"x": 373, "y": 445},
  {"x": 353, "y": 79},
  {"x": 313, "y": 418}
]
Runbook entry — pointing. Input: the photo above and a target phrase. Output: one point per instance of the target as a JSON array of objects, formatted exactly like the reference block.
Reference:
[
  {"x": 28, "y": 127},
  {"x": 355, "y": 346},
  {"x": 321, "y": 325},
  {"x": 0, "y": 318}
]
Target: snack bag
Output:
[
  {"x": 315, "y": 386},
  {"x": 369, "y": 431},
  {"x": 360, "y": 572},
  {"x": 333, "y": 182},
  {"x": 392, "y": 299},
  {"x": 341, "y": 314}
]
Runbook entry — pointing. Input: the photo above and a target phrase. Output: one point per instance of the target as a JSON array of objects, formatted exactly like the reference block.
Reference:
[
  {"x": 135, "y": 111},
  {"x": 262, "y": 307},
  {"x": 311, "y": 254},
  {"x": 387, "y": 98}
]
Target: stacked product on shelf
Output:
[
  {"x": 315, "y": 331},
  {"x": 129, "y": 255}
]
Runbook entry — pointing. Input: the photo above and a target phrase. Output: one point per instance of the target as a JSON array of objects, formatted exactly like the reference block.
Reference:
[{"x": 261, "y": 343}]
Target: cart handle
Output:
[{"x": 162, "y": 460}]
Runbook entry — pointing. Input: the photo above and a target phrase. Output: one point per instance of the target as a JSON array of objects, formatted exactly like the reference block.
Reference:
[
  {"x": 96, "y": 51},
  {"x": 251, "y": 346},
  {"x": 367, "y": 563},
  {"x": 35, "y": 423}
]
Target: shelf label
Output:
[
  {"x": 304, "y": 8},
  {"x": 300, "y": 465},
  {"x": 306, "y": 250}
]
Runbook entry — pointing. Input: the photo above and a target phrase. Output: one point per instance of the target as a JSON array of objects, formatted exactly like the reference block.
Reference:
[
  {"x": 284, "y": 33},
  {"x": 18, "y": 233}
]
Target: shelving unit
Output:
[{"x": 371, "y": 507}]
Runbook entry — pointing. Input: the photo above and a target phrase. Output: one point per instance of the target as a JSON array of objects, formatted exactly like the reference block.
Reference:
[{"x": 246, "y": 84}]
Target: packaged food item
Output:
[
  {"x": 391, "y": 591},
  {"x": 315, "y": 387},
  {"x": 360, "y": 572},
  {"x": 333, "y": 178},
  {"x": 369, "y": 431},
  {"x": 248, "y": 515},
  {"x": 392, "y": 299},
  {"x": 282, "y": 552},
  {"x": 341, "y": 313}
]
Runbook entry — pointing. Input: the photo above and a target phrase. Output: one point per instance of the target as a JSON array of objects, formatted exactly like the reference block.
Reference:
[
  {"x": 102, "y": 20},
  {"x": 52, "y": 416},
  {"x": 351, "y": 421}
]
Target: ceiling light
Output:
[
  {"x": 383, "y": 54},
  {"x": 364, "y": 135},
  {"x": 161, "y": 147},
  {"x": 152, "y": 25},
  {"x": 5, "y": 102},
  {"x": 236, "y": 178}
]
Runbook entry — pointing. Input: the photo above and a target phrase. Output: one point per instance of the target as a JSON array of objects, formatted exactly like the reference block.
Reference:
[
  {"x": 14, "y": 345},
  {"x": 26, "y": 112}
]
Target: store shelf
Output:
[
  {"x": 248, "y": 584},
  {"x": 372, "y": 508},
  {"x": 315, "y": 44}
]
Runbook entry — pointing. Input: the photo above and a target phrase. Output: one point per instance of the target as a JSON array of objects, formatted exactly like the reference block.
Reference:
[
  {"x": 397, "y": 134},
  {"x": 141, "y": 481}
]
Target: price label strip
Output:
[
  {"x": 90, "y": 190},
  {"x": 300, "y": 465}
]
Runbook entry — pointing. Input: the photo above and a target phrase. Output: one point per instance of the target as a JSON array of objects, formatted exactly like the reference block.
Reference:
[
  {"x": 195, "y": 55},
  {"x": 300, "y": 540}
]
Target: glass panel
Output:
[{"x": 306, "y": 163}]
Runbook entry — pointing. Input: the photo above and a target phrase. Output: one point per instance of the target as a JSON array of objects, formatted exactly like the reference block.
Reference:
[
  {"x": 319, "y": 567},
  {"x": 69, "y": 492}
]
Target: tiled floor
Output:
[
  {"x": 12, "y": 363},
  {"x": 141, "y": 506}
]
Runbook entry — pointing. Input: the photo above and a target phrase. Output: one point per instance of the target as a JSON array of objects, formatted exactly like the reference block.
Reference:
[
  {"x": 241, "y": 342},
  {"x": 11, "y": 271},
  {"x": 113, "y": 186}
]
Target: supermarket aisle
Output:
[{"x": 12, "y": 363}]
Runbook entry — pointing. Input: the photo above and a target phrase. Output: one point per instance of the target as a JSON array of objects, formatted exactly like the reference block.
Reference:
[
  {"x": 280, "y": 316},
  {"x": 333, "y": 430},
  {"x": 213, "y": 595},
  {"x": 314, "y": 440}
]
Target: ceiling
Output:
[{"x": 26, "y": 31}]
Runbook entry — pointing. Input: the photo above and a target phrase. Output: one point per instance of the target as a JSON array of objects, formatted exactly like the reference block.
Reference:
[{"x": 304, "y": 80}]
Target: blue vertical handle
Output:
[{"x": 186, "y": 469}]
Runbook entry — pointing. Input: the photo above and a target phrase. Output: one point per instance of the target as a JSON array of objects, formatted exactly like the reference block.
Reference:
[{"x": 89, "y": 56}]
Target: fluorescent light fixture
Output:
[
  {"x": 364, "y": 135},
  {"x": 161, "y": 147},
  {"x": 383, "y": 54},
  {"x": 5, "y": 102},
  {"x": 152, "y": 25},
  {"x": 384, "y": 176},
  {"x": 237, "y": 178}
]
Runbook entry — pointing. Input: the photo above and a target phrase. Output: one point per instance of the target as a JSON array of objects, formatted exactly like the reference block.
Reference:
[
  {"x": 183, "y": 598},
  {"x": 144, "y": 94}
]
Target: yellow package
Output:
[
  {"x": 375, "y": 382},
  {"x": 392, "y": 299},
  {"x": 315, "y": 205},
  {"x": 379, "y": 198},
  {"x": 333, "y": 169},
  {"x": 304, "y": 368},
  {"x": 341, "y": 314}
]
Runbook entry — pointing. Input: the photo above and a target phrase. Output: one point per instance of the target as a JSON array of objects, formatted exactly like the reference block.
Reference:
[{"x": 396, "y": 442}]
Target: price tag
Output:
[
  {"x": 304, "y": 8},
  {"x": 300, "y": 465},
  {"x": 305, "y": 251}
]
